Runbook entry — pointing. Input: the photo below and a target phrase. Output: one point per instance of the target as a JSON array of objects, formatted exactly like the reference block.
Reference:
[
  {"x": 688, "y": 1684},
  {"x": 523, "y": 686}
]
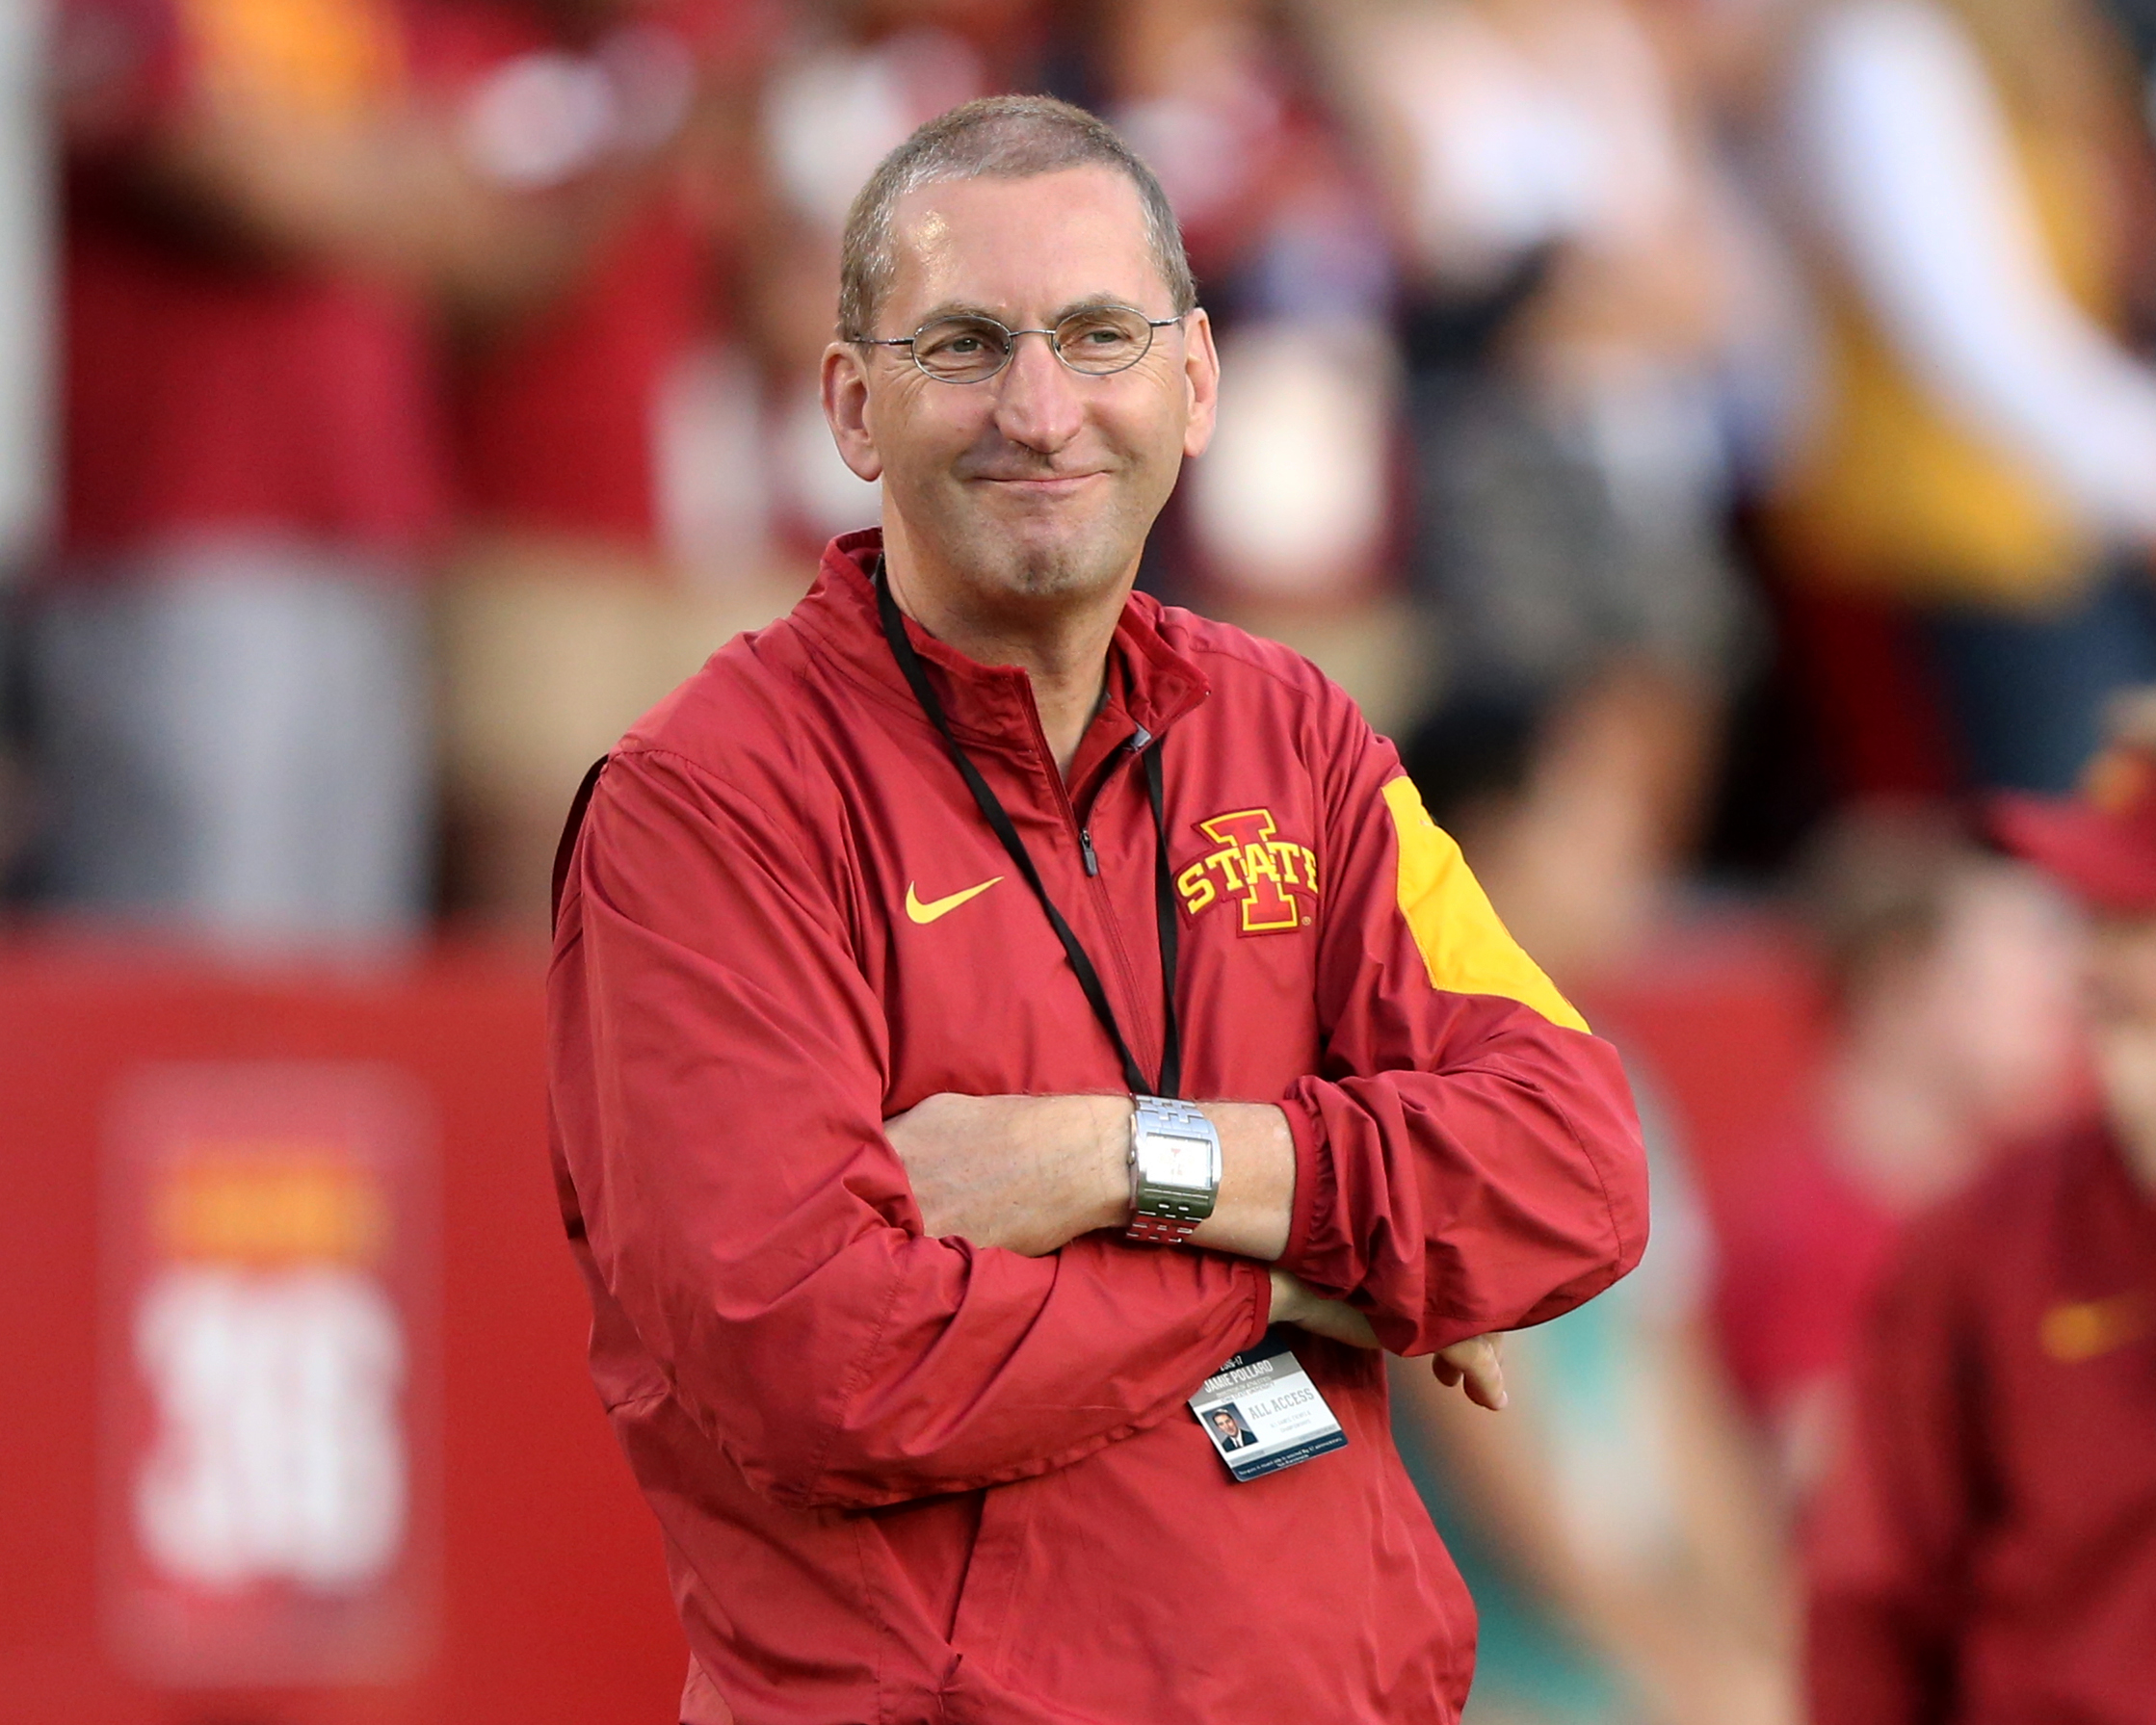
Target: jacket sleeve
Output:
[
  {"x": 1467, "y": 1155},
  {"x": 717, "y": 1066},
  {"x": 1887, "y": 1542}
]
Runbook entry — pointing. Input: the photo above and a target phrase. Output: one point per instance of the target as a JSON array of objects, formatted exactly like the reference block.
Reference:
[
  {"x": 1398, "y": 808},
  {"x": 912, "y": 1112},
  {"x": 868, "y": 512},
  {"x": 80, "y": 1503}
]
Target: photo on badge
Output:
[
  {"x": 1264, "y": 1414},
  {"x": 1228, "y": 1428}
]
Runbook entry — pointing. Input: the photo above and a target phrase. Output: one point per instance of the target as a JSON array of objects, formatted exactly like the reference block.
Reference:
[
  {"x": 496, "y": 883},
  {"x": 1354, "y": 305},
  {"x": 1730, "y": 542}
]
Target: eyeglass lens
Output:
[{"x": 969, "y": 350}]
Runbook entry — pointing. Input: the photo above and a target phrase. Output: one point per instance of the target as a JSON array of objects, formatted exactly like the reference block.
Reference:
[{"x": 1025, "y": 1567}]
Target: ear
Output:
[
  {"x": 1201, "y": 383},
  {"x": 845, "y": 393}
]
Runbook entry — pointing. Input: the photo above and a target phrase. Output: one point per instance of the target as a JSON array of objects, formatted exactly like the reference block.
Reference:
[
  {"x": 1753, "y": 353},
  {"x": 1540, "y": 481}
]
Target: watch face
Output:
[{"x": 1187, "y": 1163}]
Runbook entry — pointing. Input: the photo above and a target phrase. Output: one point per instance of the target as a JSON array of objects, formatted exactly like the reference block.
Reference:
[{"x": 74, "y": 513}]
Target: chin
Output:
[{"x": 1051, "y": 566}]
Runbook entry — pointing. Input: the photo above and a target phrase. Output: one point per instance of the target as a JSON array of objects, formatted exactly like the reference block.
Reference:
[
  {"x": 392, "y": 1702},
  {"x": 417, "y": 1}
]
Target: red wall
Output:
[{"x": 554, "y": 1603}]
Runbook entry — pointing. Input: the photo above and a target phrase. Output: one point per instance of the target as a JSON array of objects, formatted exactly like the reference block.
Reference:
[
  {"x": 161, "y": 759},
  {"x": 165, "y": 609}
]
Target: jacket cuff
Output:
[{"x": 1310, "y": 1219}]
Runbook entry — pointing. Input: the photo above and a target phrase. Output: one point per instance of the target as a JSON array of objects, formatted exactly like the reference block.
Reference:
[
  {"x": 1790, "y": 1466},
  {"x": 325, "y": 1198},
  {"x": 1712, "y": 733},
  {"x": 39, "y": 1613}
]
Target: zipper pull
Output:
[{"x": 1086, "y": 848}]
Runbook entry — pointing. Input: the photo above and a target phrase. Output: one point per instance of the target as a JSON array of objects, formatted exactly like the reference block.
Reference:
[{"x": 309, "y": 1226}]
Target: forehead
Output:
[{"x": 1023, "y": 249}]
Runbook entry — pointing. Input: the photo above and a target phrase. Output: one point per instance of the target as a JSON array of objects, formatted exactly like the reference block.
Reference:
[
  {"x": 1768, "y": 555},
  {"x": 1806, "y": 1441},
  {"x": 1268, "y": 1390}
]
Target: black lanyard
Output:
[{"x": 1146, "y": 748}]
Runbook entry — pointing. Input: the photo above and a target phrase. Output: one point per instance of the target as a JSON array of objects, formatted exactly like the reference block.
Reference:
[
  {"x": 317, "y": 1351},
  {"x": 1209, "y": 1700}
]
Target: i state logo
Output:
[{"x": 1274, "y": 879}]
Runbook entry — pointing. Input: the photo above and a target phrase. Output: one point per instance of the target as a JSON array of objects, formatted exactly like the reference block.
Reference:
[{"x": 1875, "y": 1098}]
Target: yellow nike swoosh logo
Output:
[
  {"x": 935, "y": 908},
  {"x": 2081, "y": 1331}
]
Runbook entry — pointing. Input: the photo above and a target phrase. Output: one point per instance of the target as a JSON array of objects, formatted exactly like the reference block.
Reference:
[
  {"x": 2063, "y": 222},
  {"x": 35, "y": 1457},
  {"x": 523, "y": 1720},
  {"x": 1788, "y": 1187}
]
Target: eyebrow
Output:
[{"x": 966, "y": 308}]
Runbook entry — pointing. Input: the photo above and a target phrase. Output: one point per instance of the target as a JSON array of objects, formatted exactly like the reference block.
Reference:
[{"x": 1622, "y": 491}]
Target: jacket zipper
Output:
[
  {"x": 1104, "y": 900},
  {"x": 1143, "y": 1016}
]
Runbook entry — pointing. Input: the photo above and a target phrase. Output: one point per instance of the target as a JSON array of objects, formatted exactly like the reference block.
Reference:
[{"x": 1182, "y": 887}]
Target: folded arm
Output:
[
  {"x": 720, "y": 1067},
  {"x": 1466, "y": 1160},
  {"x": 1032, "y": 1173},
  {"x": 1467, "y": 1155}
]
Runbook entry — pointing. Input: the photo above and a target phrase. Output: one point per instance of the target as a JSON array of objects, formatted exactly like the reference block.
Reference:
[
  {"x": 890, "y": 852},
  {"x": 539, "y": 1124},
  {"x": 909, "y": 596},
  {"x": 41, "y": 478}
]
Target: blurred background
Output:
[{"x": 1716, "y": 439}]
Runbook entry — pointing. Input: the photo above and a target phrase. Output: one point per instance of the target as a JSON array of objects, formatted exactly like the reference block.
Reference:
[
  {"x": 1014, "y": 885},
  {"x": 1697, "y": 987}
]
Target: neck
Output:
[{"x": 1059, "y": 642}]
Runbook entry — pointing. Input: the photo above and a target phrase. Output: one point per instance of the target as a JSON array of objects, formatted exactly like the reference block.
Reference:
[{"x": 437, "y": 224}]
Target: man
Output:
[
  {"x": 1233, "y": 1433},
  {"x": 1987, "y": 1551},
  {"x": 870, "y": 936}
]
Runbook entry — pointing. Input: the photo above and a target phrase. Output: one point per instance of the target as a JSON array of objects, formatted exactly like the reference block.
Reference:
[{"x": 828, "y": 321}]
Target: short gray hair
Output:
[{"x": 994, "y": 138}]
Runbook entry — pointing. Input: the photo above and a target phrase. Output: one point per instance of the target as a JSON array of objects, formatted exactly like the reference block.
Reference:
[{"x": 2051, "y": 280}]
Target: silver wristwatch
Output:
[{"x": 1174, "y": 1169}]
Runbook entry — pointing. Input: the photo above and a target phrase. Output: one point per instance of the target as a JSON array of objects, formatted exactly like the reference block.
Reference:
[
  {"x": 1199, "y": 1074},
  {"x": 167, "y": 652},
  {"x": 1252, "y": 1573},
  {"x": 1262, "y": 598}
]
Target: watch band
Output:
[
  {"x": 1163, "y": 1214},
  {"x": 1159, "y": 1230}
]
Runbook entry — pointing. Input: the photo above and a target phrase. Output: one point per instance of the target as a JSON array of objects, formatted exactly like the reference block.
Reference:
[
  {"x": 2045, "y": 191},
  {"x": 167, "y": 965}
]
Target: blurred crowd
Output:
[
  {"x": 1707, "y": 412},
  {"x": 1716, "y": 439}
]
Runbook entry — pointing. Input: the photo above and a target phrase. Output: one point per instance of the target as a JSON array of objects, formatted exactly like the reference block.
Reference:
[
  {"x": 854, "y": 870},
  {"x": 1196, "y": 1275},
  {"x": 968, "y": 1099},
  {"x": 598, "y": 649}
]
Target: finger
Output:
[
  {"x": 1485, "y": 1379},
  {"x": 1444, "y": 1370}
]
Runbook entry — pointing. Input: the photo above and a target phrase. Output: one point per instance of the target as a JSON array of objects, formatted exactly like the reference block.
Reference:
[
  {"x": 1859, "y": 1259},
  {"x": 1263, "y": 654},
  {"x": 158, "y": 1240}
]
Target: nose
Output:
[{"x": 1036, "y": 397}]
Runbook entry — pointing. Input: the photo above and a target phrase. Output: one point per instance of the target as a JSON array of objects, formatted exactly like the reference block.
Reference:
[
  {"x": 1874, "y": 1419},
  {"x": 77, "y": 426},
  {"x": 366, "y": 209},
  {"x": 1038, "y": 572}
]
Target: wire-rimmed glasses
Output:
[{"x": 972, "y": 347}]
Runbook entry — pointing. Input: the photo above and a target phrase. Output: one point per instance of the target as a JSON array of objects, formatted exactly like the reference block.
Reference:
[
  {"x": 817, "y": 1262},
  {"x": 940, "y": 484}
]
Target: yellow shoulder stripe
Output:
[{"x": 1463, "y": 945}]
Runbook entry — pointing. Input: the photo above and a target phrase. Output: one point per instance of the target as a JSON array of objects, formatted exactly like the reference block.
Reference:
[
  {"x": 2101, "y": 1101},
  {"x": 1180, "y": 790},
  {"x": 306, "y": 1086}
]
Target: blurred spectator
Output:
[
  {"x": 1615, "y": 1524},
  {"x": 602, "y": 426},
  {"x": 1985, "y": 448},
  {"x": 1290, "y": 524},
  {"x": 1954, "y": 1031},
  {"x": 855, "y": 78},
  {"x": 1985, "y": 1550},
  {"x": 230, "y": 660},
  {"x": 1572, "y": 268},
  {"x": 268, "y": 203}
]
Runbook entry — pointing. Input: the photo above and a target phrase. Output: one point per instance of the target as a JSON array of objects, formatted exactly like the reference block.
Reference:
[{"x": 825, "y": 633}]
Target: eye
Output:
[
  {"x": 961, "y": 348},
  {"x": 1103, "y": 340}
]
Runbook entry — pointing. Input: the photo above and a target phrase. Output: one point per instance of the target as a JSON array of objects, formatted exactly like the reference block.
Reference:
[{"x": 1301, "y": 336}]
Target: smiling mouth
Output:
[{"x": 1042, "y": 485}]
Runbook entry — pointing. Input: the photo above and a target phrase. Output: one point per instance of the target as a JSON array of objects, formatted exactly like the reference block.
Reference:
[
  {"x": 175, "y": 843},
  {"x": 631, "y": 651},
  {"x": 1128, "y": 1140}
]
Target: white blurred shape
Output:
[
  {"x": 1516, "y": 149},
  {"x": 831, "y": 119},
  {"x": 1291, "y": 499},
  {"x": 654, "y": 80},
  {"x": 279, "y": 1453},
  {"x": 540, "y": 119},
  {"x": 713, "y": 480},
  {"x": 813, "y": 479},
  {"x": 26, "y": 333},
  {"x": 1208, "y": 139}
]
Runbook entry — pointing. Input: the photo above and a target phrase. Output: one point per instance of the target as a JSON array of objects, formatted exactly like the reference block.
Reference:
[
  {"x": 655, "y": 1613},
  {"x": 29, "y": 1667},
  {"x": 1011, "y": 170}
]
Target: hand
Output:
[
  {"x": 1294, "y": 1302},
  {"x": 1475, "y": 1362},
  {"x": 1027, "y": 1173}
]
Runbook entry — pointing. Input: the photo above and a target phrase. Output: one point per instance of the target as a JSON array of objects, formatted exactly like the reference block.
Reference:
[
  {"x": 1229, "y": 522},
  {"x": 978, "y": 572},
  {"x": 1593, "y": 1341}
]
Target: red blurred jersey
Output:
[
  {"x": 1800, "y": 1248},
  {"x": 905, "y": 1477},
  {"x": 555, "y": 428},
  {"x": 553, "y": 421},
  {"x": 1986, "y": 1553},
  {"x": 208, "y": 386}
]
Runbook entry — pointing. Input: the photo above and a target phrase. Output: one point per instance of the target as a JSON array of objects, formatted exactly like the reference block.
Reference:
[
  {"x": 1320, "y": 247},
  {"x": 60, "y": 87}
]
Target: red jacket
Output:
[
  {"x": 1986, "y": 1553},
  {"x": 906, "y": 1478}
]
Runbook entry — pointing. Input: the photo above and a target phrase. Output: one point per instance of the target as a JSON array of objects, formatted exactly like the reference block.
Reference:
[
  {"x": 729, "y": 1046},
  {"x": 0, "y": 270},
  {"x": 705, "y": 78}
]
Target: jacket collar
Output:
[{"x": 1150, "y": 683}]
